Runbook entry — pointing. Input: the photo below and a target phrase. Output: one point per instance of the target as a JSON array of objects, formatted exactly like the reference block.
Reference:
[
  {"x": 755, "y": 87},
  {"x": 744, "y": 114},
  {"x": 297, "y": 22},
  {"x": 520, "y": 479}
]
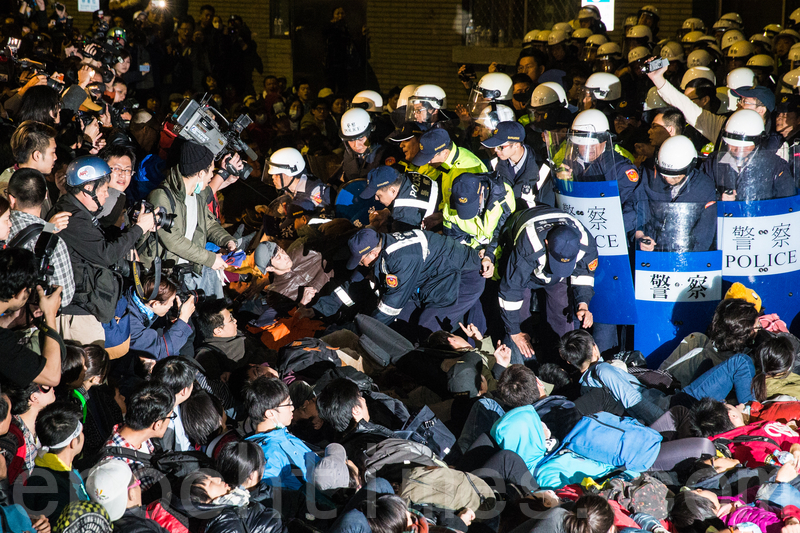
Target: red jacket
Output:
[{"x": 754, "y": 453}]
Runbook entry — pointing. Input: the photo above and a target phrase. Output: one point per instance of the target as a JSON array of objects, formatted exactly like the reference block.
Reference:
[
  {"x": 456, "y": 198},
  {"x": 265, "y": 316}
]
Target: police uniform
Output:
[
  {"x": 526, "y": 267},
  {"x": 532, "y": 185},
  {"x": 418, "y": 270},
  {"x": 765, "y": 176},
  {"x": 417, "y": 199},
  {"x": 482, "y": 231},
  {"x": 311, "y": 193},
  {"x": 697, "y": 188}
]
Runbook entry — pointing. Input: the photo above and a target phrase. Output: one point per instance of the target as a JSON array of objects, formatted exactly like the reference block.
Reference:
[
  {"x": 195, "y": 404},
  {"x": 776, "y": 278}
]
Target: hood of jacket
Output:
[{"x": 520, "y": 430}]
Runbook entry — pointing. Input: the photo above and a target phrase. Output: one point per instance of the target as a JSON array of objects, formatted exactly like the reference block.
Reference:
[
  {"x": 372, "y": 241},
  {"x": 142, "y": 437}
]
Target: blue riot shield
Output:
[
  {"x": 760, "y": 243},
  {"x": 597, "y": 205},
  {"x": 350, "y": 206},
  {"x": 678, "y": 276}
]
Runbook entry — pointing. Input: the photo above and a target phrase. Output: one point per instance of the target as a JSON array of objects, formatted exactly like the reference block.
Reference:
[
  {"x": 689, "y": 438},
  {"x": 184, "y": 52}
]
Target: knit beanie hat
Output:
[{"x": 194, "y": 158}]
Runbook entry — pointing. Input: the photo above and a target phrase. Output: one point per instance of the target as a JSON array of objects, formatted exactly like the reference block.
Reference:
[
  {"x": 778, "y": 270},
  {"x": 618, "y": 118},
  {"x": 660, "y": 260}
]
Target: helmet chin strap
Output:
[
  {"x": 286, "y": 187},
  {"x": 93, "y": 195}
]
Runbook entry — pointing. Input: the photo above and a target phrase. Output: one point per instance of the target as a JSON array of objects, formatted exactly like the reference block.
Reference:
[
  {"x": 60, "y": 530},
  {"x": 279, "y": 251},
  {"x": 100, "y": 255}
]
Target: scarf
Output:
[
  {"x": 238, "y": 497},
  {"x": 146, "y": 311},
  {"x": 232, "y": 347}
]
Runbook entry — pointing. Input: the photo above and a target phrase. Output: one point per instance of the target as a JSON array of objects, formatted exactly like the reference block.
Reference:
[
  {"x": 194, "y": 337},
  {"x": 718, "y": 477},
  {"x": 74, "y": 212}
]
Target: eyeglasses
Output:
[
  {"x": 171, "y": 416},
  {"x": 134, "y": 484},
  {"x": 290, "y": 404},
  {"x": 123, "y": 171},
  {"x": 44, "y": 389}
]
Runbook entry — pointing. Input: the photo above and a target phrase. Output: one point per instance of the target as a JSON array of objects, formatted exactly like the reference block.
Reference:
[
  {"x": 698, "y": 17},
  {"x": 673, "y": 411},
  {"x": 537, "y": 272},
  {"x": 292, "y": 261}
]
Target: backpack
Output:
[
  {"x": 446, "y": 488},
  {"x": 310, "y": 355},
  {"x": 14, "y": 519},
  {"x": 363, "y": 381},
  {"x": 723, "y": 445},
  {"x": 173, "y": 465},
  {"x": 426, "y": 428},
  {"x": 644, "y": 494},
  {"x": 97, "y": 289},
  {"x": 655, "y": 379},
  {"x": 118, "y": 331},
  {"x": 614, "y": 440},
  {"x": 389, "y": 457}
]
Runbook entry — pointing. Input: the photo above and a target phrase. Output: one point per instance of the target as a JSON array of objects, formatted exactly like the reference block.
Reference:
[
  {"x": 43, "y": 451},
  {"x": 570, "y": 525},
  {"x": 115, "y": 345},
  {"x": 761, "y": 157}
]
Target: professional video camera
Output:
[
  {"x": 29, "y": 64},
  {"x": 163, "y": 220},
  {"x": 198, "y": 122},
  {"x": 129, "y": 105}
]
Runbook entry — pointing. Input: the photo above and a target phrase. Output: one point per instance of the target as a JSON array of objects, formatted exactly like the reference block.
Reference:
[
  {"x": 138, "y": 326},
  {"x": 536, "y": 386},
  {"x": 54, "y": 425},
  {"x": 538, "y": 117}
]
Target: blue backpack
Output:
[{"x": 614, "y": 440}]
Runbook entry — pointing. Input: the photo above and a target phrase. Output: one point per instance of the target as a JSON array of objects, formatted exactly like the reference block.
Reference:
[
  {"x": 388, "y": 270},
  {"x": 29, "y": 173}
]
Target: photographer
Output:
[
  {"x": 22, "y": 366},
  {"x": 94, "y": 255},
  {"x": 27, "y": 191},
  {"x": 148, "y": 337},
  {"x": 185, "y": 193}
]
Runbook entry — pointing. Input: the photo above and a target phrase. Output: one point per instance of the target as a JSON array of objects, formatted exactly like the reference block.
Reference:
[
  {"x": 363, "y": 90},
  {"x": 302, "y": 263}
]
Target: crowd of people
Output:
[{"x": 307, "y": 309}]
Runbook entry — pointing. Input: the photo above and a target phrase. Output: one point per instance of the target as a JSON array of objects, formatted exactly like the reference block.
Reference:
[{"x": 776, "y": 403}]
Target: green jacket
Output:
[
  {"x": 459, "y": 162},
  {"x": 172, "y": 244}
]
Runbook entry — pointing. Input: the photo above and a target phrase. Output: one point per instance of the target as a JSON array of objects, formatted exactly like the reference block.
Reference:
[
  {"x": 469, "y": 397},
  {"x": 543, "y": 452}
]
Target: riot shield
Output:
[
  {"x": 744, "y": 171},
  {"x": 351, "y": 206},
  {"x": 597, "y": 205},
  {"x": 760, "y": 243},
  {"x": 675, "y": 227}
]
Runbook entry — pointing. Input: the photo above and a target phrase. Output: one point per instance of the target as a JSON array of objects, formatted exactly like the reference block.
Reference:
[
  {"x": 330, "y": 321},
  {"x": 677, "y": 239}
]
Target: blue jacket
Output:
[
  {"x": 520, "y": 431},
  {"x": 417, "y": 199},
  {"x": 158, "y": 343},
  {"x": 639, "y": 401},
  {"x": 283, "y": 453},
  {"x": 529, "y": 187},
  {"x": 765, "y": 176}
]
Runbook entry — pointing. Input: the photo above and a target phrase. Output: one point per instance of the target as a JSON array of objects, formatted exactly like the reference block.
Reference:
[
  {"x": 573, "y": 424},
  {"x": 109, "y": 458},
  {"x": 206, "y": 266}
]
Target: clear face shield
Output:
[
  {"x": 479, "y": 98},
  {"x": 588, "y": 53},
  {"x": 587, "y": 156},
  {"x": 607, "y": 64},
  {"x": 676, "y": 227},
  {"x": 420, "y": 110},
  {"x": 741, "y": 177}
]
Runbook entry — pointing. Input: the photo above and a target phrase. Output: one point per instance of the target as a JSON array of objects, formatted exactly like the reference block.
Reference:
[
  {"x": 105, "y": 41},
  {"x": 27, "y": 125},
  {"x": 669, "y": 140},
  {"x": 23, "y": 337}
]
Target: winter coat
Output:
[
  {"x": 158, "y": 343},
  {"x": 283, "y": 452},
  {"x": 308, "y": 270}
]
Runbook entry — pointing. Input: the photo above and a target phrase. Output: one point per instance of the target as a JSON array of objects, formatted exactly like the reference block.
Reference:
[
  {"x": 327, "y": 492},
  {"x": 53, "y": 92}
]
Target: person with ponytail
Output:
[{"x": 774, "y": 360}]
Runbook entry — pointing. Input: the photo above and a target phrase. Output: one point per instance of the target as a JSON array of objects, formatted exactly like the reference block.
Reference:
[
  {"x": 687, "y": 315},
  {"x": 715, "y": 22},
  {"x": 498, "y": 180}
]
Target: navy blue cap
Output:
[
  {"x": 465, "y": 196},
  {"x": 361, "y": 244},
  {"x": 409, "y": 129},
  {"x": 563, "y": 245},
  {"x": 430, "y": 144},
  {"x": 379, "y": 177},
  {"x": 764, "y": 95},
  {"x": 509, "y": 131},
  {"x": 789, "y": 103}
]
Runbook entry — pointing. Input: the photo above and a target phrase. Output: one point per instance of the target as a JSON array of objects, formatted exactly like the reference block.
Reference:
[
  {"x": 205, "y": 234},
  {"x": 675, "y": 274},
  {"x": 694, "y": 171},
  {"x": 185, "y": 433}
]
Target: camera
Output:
[
  {"x": 468, "y": 74},
  {"x": 183, "y": 291},
  {"x": 653, "y": 64},
  {"x": 29, "y": 64},
  {"x": 198, "y": 122},
  {"x": 43, "y": 251},
  {"x": 162, "y": 219}
]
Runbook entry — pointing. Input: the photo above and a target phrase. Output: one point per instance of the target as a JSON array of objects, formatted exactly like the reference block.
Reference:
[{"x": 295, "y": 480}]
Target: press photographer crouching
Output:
[
  {"x": 96, "y": 256},
  {"x": 185, "y": 193},
  {"x": 153, "y": 332}
]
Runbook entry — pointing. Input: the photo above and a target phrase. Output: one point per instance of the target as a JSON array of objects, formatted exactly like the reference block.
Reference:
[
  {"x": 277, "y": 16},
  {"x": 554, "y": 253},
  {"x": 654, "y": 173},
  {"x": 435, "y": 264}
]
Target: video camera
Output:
[
  {"x": 653, "y": 64},
  {"x": 198, "y": 122},
  {"x": 163, "y": 220}
]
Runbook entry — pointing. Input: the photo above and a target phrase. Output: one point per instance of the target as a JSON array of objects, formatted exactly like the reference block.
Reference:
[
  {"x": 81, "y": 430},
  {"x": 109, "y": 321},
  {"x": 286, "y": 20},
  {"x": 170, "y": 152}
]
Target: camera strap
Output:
[
  {"x": 24, "y": 235},
  {"x": 137, "y": 277}
]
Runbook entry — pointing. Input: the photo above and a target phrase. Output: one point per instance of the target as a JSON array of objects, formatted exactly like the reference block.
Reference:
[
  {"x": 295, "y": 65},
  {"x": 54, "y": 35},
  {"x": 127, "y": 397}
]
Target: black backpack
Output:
[
  {"x": 174, "y": 466},
  {"x": 310, "y": 357},
  {"x": 426, "y": 428}
]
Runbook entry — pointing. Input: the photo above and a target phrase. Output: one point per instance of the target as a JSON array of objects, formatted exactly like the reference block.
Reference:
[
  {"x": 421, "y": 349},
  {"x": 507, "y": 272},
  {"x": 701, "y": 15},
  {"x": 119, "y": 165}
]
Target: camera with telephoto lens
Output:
[
  {"x": 163, "y": 220},
  {"x": 43, "y": 251},
  {"x": 200, "y": 123},
  {"x": 184, "y": 293},
  {"x": 29, "y": 64},
  {"x": 653, "y": 64}
]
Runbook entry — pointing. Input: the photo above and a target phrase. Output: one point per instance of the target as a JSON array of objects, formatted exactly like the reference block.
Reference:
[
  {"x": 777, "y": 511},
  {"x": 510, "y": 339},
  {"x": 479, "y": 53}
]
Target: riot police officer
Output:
[
  {"x": 675, "y": 180},
  {"x": 516, "y": 165},
  {"x": 361, "y": 152},
  {"x": 742, "y": 169},
  {"x": 287, "y": 168},
  {"x": 547, "y": 248},
  {"x": 411, "y": 197}
]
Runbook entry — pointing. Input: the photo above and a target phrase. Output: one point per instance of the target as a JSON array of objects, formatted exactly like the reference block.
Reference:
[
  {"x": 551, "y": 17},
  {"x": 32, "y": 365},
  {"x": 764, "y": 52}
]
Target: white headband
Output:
[{"x": 46, "y": 449}]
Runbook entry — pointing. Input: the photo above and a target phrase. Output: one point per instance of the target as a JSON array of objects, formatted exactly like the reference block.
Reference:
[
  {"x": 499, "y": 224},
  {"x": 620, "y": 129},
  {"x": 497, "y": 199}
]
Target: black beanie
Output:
[{"x": 194, "y": 158}]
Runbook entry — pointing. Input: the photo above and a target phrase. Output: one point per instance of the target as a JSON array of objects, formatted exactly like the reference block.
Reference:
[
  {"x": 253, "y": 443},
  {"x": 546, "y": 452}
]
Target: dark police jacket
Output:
[
  {"x": 764, "y": 176},
  {"x": 415, "y": 265},
  {"x": 526, "y": 266},
  {"x": 357, "y": 166},
  {"x": 658, "y": 223},
  {"x": 418, "y": 198},
  {"x": 530, "y": 187}
]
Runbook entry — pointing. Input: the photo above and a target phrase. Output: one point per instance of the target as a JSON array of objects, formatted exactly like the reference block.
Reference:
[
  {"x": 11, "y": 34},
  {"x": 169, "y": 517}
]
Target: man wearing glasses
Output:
[{"x": 121, "y": 160}]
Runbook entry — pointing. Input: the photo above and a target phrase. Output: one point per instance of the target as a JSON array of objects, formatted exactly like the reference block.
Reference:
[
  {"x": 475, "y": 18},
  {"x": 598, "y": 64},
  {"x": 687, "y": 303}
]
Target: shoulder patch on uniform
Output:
[
  {"x": 391, "y": 280},
  {"x": 709, "y": 204},
  {"x": 593, "y": 265},
  {"x": 632, "y": 175},
  {"x": 296, "y": 343},
  {"x": 389, "y": 161}
]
